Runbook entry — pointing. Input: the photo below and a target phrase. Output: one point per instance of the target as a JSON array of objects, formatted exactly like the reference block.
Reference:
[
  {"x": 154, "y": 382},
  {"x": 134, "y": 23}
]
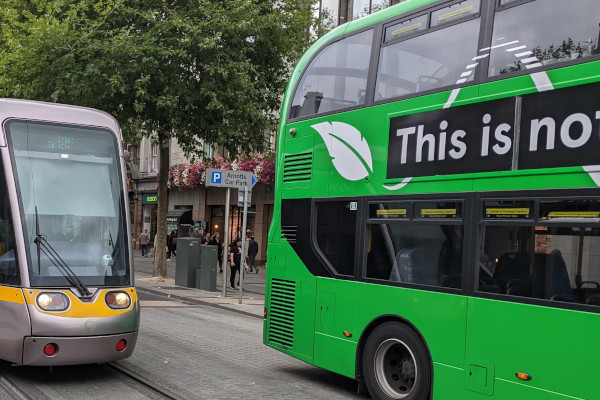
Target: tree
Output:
[{"x": 189, "y": 70}]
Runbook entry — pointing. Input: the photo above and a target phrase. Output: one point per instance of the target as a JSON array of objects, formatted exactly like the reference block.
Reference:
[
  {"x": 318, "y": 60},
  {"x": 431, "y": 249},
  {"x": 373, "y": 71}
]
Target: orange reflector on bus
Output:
[
  {"x": 347, "y": 334},
  {"x": 265, "y": 312},
  {"x": 523, "y": 376}
]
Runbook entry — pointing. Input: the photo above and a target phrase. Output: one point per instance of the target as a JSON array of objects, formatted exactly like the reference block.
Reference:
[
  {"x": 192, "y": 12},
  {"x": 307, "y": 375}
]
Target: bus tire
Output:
[{"x": 396, "y": 364}]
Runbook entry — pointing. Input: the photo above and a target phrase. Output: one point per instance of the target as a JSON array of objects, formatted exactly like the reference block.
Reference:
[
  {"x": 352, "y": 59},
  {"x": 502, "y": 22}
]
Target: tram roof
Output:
[{"x": 56, "y": 113}]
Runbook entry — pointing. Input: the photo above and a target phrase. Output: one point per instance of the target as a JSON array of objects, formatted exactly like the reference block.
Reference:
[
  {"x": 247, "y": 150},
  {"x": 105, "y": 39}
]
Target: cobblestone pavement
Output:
[
  {"x": 253, "y": 288},
  {"x": 196, "y": 344},
  {"x": 202, "y": 346},
  {"x": 201, "y": 352}
]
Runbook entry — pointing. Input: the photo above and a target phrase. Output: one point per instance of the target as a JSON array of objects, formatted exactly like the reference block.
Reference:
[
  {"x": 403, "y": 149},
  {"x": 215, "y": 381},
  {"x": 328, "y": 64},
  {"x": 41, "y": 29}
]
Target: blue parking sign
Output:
[{"x": 216, "y": 177}]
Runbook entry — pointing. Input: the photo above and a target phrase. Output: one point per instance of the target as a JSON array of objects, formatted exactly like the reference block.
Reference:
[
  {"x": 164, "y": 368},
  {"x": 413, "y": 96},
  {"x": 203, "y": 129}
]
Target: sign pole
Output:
[
  {"x": 226, "y": 244},
  {"x": 244, "y": 220},
  {"x": 242, "y": 180}
]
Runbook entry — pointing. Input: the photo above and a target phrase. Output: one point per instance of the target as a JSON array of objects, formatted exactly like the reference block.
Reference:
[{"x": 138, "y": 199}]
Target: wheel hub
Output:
[{"x": 395, "y": 368}]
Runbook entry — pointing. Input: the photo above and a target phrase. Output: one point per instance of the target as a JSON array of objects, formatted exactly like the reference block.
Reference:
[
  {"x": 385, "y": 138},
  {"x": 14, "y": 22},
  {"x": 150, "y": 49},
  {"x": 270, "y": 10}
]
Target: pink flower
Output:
[{"x": 186, "y": 176}]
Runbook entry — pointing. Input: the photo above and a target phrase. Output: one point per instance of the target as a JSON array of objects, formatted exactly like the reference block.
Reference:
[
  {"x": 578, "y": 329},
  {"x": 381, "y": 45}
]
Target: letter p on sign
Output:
[{"x": 216, "y": 177}]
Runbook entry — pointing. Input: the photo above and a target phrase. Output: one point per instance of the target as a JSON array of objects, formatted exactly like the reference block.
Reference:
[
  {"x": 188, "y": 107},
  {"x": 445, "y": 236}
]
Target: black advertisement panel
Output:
[
  {"x": 557, "y": 128},
  {"x": 473, "y": 138},
  {"x": 560, "y": 128}
]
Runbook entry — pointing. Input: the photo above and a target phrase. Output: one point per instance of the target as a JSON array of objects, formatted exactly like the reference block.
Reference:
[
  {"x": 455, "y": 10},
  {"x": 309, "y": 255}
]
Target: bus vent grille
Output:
[
  {"x": 281, "y": 313},
  {"x": 290, "y": 233},
  {"x": 297, "y": 167}
]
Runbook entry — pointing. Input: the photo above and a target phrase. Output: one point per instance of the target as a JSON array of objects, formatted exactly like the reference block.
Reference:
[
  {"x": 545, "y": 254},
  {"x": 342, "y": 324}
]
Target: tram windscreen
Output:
[{"x": 69, "y": 183}]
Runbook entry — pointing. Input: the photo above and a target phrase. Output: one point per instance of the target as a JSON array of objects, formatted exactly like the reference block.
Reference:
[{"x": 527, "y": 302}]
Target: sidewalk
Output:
[{"x": 253, "y": 295}]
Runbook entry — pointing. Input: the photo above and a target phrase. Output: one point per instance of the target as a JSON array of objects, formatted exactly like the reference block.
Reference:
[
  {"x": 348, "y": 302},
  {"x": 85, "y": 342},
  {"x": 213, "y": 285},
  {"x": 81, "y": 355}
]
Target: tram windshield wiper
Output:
[{"x": 43, "y": 246}]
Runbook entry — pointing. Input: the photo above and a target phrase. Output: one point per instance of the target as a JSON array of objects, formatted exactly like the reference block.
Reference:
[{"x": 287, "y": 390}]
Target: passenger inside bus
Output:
[{"x": 554, "y": 263}]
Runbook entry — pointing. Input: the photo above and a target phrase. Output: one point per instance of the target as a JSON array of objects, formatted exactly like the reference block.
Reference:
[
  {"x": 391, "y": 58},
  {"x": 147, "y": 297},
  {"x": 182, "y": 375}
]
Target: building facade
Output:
[
  {"x": 207, "y": 204},
  {"x": 332, "y": 13}
]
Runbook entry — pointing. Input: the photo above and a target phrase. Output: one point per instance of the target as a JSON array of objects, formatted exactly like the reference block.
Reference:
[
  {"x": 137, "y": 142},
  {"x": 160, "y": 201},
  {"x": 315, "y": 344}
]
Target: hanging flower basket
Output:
[{"x": 192, "y": 176}]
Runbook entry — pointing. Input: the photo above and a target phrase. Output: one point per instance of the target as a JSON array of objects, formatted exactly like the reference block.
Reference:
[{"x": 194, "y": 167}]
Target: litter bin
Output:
[
  {"x": 188, "y": 260},
  {"x": 206, "y": 274}
]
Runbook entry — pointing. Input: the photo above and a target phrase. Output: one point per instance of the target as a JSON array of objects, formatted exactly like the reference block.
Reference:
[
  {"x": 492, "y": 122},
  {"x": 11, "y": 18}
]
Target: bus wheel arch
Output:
[{"x": 392, "y": 350}]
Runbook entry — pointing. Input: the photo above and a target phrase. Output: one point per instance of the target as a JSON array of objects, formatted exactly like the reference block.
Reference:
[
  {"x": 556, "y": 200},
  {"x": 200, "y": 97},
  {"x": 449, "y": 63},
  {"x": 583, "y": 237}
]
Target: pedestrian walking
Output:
[
  {"x": 235, "y": 259},
  {"x": 172, "y": 244},
  {"x": 216, "y": 241},
  {"x": 154, "y": 246},
  {"x": 144, "y": 241},
  {"x": 252, "y": 252}
]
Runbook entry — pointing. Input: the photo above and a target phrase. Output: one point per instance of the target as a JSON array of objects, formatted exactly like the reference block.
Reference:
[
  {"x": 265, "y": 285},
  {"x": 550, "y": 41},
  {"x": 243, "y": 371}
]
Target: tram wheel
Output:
[{"x": 396, "y": 364}]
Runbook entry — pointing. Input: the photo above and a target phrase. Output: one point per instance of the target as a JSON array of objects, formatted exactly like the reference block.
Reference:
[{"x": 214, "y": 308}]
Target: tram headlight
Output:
[
  {"x": 118, "y": 300},
  {"x": 49, "y": 301}
]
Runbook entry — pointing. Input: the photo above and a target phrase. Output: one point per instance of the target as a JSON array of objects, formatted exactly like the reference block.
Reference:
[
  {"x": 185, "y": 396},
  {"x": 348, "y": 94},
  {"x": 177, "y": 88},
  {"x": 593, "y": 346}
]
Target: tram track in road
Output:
[
  {"x": 145, "y": 381},
  {"x": 84, "y": 381},
  {"x": 13, "y": 389}
]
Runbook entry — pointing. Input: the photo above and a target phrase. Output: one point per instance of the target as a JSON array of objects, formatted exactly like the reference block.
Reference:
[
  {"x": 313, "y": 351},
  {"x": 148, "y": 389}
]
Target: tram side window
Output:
[
  {"x": 558, "y": 262},
  {"x": 336, "y": 234},
  {"x": 544, "y": 32},
  {"x": 434, "y": 60},
  {"x": 336, "y": 78},
  {"x": 9, "y": 272}
]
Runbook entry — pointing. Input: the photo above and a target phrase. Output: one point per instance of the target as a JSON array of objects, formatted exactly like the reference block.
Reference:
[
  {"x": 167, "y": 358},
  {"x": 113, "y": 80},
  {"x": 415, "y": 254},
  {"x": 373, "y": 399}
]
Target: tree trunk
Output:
[{"x": 160, "y": 263}]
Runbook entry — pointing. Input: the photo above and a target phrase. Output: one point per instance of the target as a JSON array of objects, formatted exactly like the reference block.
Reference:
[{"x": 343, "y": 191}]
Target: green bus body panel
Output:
[
  {"x": 284, "y": 264},
  {"x": 546, "y": 343},
  {"x": 358, "y": 304},
  {"x": 476, "y": 344},
  {"x": 557, "y": 348}
]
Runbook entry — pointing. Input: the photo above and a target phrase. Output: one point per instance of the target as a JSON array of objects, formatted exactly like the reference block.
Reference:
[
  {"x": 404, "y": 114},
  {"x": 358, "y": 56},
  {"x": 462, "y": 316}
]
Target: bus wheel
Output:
[{"x": 396, "y": 364}]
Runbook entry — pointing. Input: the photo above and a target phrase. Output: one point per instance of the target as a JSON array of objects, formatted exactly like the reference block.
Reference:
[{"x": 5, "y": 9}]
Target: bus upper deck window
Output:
[
  {"x": 455, "y": 12},
  {"x": 336, "y": 78},
  {"x": 433, "y": 60},
  {"x": 406, "y": 28},
  {"x": 542, "y": 33}
]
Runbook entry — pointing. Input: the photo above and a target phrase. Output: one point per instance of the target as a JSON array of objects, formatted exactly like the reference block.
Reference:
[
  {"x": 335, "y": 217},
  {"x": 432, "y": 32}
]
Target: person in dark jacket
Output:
[
  {"x": 252, "y": 252},
  {"x": 235, "y": 259},
  {"x": 216, "y": 241},
  {"x": 171, "y": 244}
]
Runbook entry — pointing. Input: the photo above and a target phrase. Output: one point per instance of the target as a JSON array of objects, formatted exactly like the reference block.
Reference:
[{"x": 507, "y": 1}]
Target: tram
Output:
[{"x": 66, "y": 276}]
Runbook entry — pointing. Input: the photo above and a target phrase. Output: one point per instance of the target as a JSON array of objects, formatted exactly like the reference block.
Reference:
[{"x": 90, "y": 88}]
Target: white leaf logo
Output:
[{"x": 349, "y": 150}]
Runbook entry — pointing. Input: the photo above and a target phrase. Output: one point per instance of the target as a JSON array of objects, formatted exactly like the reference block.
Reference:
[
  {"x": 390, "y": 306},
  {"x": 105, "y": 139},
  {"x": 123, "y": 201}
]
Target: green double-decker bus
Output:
[{"x": 436, "y": 230}]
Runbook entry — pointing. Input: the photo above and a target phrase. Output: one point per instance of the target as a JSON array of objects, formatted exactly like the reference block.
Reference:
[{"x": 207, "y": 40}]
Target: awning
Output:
[{"x": 179, "y": 217}]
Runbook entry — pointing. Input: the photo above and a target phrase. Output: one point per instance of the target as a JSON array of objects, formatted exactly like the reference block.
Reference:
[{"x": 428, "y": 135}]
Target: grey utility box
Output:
[
  {"x": 206, "y": 275},
  {"x": 188, "y": 260}
]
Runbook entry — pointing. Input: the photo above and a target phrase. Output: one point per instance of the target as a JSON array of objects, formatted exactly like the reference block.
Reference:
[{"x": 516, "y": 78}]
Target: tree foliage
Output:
[
  {"x": 197, "y": 70},
  {"x": 189, "y": 70}
]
